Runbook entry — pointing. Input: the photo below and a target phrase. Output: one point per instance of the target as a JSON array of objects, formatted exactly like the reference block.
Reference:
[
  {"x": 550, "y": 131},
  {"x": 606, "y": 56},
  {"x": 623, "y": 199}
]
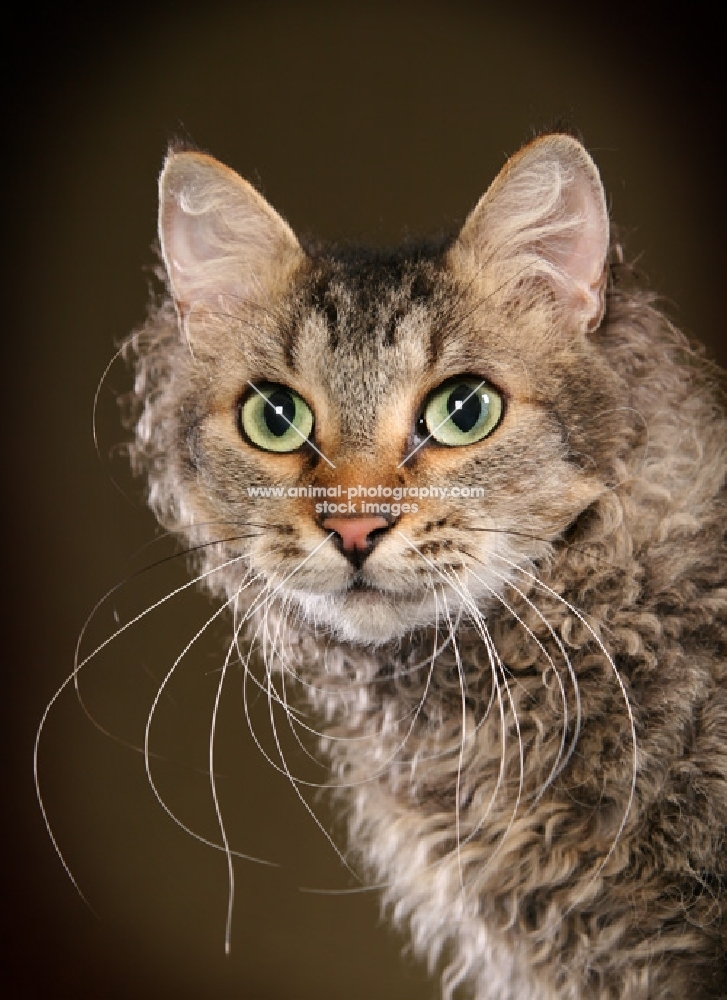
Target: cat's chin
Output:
[{"x": 366, "y": 616}]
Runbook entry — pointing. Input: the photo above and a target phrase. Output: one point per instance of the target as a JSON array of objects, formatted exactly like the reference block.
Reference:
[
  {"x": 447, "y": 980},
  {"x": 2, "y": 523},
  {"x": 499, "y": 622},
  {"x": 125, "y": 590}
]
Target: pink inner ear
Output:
[
  {"x": 583, "y": 258},
  {"x": 199, "y": 256},
  {"x": 185, "y": 244},
  {"x": 544, "y": 218},
  {"x": 219, "y": 237}
]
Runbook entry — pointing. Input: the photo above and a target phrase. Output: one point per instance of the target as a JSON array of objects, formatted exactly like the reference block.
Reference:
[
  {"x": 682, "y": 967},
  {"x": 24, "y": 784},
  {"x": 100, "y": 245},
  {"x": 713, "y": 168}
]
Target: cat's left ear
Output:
[
  {"x": 221, "y": 241},
  {"x": 540, "y": 233}
]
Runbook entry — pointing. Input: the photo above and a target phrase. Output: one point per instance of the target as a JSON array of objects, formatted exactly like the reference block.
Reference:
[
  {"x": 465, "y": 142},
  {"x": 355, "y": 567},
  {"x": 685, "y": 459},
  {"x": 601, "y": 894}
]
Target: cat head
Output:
[{"x": 380, "y": 437}]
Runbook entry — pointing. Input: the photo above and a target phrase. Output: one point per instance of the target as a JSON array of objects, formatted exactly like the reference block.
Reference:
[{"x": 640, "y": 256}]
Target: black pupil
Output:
[
  {"x": 279, "y": 412},
  {"x": 468, "y": 413}
]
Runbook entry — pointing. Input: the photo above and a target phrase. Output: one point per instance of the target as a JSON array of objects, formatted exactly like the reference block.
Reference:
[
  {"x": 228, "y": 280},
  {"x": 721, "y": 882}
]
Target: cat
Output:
[{"x": 467, "y": 496}]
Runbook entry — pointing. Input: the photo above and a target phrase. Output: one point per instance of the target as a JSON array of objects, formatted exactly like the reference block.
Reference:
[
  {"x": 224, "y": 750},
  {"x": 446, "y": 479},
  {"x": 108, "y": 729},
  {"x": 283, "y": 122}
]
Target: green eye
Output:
[
  {"x": 462, "y": 411},
  {"x": 275, "y": 418}
]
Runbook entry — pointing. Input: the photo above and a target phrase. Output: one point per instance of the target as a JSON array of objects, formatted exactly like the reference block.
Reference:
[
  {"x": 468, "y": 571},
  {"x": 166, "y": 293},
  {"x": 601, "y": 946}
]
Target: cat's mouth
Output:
[
  {"x": 365, "y": 613},
  {"x": 360, "y": 591}
]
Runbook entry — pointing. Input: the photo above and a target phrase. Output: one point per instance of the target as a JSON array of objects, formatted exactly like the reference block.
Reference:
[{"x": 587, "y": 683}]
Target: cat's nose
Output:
[{"x": 355, "y": 534}]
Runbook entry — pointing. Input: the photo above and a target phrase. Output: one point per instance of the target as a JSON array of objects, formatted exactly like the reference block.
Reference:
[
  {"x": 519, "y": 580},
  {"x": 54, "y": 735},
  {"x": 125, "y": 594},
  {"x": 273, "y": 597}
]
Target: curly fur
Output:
[{"x": 547, "y": 807}]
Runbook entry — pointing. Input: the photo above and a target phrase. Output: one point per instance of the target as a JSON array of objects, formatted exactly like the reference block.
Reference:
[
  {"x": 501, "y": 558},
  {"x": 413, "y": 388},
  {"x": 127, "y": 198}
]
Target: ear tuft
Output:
[
  {"x": 219, "y": 237},
  {"x": 544, "y": 218}
]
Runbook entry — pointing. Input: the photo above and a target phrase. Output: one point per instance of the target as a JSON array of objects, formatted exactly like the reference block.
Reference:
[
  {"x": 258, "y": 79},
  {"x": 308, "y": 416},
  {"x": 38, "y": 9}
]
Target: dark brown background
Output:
[{"x": 369, "y": 121}]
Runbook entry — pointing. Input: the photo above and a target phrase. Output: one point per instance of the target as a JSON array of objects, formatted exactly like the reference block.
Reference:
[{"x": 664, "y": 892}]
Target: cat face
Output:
[{"x": 392, "y": 433}]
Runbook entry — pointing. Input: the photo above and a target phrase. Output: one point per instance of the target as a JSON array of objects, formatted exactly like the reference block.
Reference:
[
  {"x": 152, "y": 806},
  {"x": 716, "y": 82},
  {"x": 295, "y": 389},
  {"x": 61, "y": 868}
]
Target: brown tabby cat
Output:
[{"x": 468, "y": 497}]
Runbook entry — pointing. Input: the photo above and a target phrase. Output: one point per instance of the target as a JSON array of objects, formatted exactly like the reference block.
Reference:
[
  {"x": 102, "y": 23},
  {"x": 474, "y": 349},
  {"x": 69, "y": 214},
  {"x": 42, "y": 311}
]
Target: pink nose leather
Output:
[{"x": 354, "y": 531}]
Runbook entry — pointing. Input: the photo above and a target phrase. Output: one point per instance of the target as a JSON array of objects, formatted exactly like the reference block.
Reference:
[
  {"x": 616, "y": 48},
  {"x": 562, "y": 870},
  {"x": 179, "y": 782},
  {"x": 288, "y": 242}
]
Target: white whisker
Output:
[
  {"x": 213, "y": 785},
  {"x": 295, "y": 783},
  {"x": 460, "y": 755},
  {"x": 634, "y": 746},
  {"x": 147, "y": 736},
  {"x": 72, "y": 678},
  {"x": 497, "y": 667},
  {"x": 39, "y": 796},
  {"x": 561, "y": 759}
]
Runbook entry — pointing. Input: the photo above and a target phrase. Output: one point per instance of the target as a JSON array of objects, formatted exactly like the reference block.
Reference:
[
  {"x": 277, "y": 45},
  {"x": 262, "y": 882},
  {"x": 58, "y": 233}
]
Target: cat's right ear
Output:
[{"x": 222, "y": 243}]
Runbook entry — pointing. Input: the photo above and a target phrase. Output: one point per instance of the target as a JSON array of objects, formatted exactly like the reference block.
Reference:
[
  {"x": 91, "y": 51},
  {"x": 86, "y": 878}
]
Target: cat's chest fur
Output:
[{"x": 467, "y": 497}]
